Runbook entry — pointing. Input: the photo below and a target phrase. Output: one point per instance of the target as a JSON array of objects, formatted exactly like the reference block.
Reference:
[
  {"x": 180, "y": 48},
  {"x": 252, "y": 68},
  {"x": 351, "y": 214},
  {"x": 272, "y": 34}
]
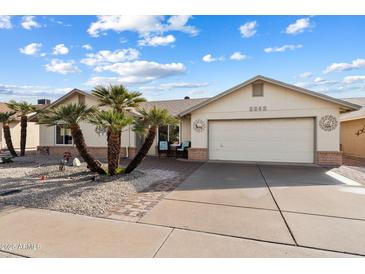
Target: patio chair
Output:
[
  {"x": 182, "y": 150},
  {"x": 163, "y": 148}
]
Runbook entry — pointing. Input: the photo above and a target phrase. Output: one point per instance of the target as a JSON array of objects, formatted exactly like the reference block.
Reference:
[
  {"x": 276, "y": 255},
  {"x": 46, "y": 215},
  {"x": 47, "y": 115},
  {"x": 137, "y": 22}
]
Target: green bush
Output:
[{"x": 119, "y": 170}]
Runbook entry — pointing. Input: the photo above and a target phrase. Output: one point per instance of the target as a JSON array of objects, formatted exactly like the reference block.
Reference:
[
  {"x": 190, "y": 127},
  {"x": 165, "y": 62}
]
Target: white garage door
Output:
[{"x": 271, "y": 140}]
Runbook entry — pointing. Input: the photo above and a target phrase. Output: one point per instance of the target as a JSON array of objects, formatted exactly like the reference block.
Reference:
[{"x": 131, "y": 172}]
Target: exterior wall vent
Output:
[{"x": 257, "y": 89}]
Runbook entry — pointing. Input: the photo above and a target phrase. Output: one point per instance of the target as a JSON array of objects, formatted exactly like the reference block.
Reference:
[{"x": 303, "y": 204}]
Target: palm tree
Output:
[
  {"x": 119, "y": 99},
  {"x": 113, "y": 122},
  {"x": 150, "y": 120},
  {"x": 22, "y": 109},
  {"x": 70, "y": 117},
  {"x": 6, "y": 118}
]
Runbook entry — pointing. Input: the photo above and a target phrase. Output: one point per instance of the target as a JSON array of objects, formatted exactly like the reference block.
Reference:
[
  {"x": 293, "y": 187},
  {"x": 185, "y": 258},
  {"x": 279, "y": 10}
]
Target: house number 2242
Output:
[{"x": 258, "y": 108}]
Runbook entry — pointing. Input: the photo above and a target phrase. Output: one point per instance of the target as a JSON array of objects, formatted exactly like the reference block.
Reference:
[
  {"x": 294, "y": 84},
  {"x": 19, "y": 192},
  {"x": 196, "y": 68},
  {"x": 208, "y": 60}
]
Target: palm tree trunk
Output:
[
  {"x": 113, "y": 152},
  {"x": 143, "y": 151},
  {"x": 9, "y": 143},
  {"x": 23, "y": 134},
  {"x": 82, "y": 149}
]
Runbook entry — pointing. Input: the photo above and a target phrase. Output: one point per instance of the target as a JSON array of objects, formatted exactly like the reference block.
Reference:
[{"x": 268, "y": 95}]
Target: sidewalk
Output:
[{"x": 42, "y": 233}]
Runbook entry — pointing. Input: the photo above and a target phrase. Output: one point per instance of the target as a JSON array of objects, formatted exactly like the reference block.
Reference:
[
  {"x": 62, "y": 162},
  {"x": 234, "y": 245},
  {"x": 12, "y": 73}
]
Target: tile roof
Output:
[
  {"x": 174, "y": 106},
  {"x": 354, "y": 115},
  {"x": 4, "y": 107}
]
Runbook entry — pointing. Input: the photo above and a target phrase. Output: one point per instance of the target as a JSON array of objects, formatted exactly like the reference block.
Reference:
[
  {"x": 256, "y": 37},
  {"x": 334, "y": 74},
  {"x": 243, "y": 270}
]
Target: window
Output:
[
  {"x": 169, "y": 133},
  {"x": 63, "y": 136},
  {"x": 257, "y": 89}
]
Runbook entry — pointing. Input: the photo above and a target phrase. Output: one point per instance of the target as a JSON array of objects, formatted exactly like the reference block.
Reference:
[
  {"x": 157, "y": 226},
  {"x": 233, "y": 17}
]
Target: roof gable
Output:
[
  {"x": 63, "y": 98},
  {"x": 346, "y": 106}
]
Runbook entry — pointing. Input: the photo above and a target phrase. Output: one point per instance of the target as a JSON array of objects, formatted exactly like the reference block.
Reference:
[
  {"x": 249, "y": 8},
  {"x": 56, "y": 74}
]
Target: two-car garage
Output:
[
  {"x": 265, "y": 120},
  {"x": 263, "y": 140}
]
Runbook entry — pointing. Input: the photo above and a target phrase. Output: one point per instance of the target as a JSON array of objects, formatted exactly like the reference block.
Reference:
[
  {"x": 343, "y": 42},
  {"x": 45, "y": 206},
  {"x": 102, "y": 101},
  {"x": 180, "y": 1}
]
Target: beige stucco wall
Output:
[
  {"x": 185, "y": 129},
  {"x": 352, "y": 144},
  {"x": 280, "y": 103},
  {"x": 92, "y": 139},
  {"x": 33, "y": 137}
]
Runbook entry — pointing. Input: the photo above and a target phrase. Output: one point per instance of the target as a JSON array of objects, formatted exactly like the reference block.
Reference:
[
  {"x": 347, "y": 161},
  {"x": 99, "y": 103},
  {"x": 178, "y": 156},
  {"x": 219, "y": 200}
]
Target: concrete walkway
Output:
[
  {"x": 221, "y": 210},
  {"x": 28, "y": 232}
]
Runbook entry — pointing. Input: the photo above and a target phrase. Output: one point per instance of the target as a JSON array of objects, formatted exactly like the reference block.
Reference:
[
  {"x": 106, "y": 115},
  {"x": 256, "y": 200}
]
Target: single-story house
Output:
[
  {"x": 353, "y": 130},
  {"x": 259, "y": 120},
  {"x": 32, "y": 133}
]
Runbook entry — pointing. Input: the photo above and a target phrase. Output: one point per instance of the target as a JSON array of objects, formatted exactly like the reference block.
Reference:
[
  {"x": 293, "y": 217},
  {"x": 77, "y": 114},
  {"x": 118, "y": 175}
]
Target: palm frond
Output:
[
  {"x": 153, "y": 117},
  {"x": 112, "y": 120},
  {"x": 68, "y": 115},
  {"x": 118, "y": 97},
  {"x": 7, "y": 117},
  {"x": 21, "y": 108}
]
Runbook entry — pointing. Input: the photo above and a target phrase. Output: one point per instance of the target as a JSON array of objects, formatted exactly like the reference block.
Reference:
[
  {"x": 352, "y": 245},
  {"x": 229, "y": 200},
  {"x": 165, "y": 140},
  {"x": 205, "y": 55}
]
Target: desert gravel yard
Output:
[{"x": 75, "y": 190}]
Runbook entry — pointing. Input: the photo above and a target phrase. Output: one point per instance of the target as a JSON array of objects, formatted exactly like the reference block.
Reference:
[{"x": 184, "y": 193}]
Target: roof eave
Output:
[{"x": 349, "y": 106}]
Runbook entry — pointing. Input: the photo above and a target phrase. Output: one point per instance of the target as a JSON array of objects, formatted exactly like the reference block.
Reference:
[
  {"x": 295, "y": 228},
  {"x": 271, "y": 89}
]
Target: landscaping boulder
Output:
[{"x": 76, "y": 162}]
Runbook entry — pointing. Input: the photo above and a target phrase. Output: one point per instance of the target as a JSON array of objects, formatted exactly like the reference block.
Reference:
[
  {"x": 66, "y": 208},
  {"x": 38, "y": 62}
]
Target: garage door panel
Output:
[{"x": 274, "y": 140}]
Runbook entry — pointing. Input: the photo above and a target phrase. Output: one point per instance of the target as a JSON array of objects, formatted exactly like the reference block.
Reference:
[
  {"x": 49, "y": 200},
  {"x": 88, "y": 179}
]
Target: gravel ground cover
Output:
[{"x": 75, "y": 190}]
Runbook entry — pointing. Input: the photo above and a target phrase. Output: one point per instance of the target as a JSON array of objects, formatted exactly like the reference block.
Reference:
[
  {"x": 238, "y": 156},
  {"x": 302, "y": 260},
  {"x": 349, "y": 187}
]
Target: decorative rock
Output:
[{"x": 76, "y": 162}]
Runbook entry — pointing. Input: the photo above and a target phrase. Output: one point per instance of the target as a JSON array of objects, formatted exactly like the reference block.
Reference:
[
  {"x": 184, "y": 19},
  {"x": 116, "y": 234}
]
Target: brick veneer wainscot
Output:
[
  {"x": 95, "y": 151},
  {"x": 329, "y": 158},
  {"x": 198, "y": 154}
]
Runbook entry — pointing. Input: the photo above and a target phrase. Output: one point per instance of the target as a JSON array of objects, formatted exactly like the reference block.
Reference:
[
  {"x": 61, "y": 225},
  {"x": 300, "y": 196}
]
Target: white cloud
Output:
[
  {"x": 238, "y": 56},
  {"x": 209, "y": 58},
  {"x": 299, "y": 26},
  {"x": 354, "y": 79},
  {"x": 249, "y": 29},
  {"x": 182, "y": 85},
  {"x": 306, "y": 74},
  {"x": 31, "y": 49},
  {"x": 59, "y": 22},
  {"x": 355, "y": 64},
  {"x": 87, "y": 47},
  {"x": 282, "y": 48},
  {"x": 321, "y": 81},
  {"x": 28, "y": 22},
  {"x": 140, "y": 71},
  {"x": 62, "y": 67},
  {"x": 60, "y": 49},
  {"x": 5, "y": 22},
  {"x": 12, "y": 91},
  {"x": 105, "y": 57},
  {"x": 155, "y": 41},
  {"x": 142, "y": 24},
  {"x": 179, "y": 23},
  {"x": 101, "y": 80}
]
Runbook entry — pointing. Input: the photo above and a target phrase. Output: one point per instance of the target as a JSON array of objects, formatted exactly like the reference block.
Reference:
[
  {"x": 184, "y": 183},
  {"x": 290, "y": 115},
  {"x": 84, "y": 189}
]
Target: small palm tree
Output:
[
  {"x": 113, "y": 122},
  {"x": 6, "y": 118},
  {"x": 70, "y": 117},
  {"x": 22, "y": 109},
  {"x": 119, "y": 99},
  {"x": 149, "y": 121}
]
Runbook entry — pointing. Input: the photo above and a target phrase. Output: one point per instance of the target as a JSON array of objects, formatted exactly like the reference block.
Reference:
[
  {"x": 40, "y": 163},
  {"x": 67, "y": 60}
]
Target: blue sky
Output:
[{"x": 168, "y": 57}]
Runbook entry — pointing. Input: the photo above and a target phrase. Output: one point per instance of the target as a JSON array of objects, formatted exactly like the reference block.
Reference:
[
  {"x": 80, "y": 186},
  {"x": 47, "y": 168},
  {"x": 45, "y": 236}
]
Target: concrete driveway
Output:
[
  {"x": 290, "y": 208},
  {"x": 220, "y": 210}
]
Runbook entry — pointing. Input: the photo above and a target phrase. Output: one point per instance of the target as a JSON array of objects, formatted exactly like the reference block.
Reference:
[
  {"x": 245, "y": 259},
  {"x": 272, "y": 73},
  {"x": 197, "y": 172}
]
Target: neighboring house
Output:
[
  {"x": 351, "y": 143},
  {"x": 260, "y": 120},
  {"x": 55, "y": 140},
  {"x": 32, "y": 133}
]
